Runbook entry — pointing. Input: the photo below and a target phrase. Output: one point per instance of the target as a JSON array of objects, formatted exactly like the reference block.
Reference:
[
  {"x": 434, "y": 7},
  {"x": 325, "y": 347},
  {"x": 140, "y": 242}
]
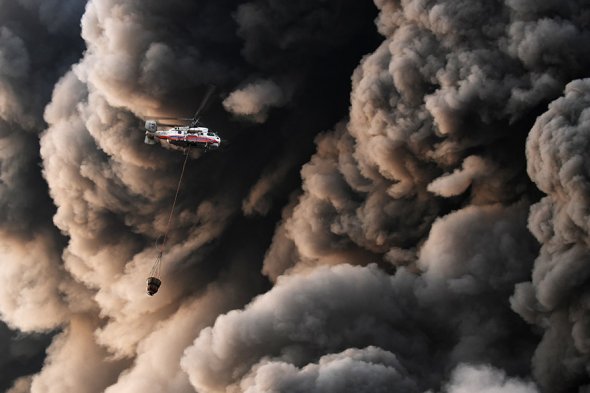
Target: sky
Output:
[{"x": 402, "y": 204}]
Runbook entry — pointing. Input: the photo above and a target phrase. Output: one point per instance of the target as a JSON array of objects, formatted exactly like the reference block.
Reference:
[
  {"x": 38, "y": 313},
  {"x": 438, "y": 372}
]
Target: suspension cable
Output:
[
  {"x": 155, "y": 272},
  {"x": 175, "y": 198}
]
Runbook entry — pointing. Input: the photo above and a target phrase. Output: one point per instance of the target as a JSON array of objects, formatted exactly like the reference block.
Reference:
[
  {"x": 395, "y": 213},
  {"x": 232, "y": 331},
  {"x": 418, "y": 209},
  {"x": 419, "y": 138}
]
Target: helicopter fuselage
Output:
[{"x": 184, "y": 136}]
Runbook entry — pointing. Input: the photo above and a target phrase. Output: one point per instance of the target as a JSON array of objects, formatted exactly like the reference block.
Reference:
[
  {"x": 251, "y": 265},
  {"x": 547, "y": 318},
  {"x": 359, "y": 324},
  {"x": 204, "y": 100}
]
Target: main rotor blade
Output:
[
  {"x": 195, "y": 118},
  {"x": 168, "y": 118},
  {"x": 171, "y": 124}
]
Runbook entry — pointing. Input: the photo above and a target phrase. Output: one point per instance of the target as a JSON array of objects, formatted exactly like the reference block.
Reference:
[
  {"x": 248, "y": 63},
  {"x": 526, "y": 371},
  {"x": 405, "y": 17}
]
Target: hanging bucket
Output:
[{"x": 153, "y": 284}]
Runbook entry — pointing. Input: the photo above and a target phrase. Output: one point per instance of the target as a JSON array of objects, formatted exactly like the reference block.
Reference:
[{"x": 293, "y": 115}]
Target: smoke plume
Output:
[{"x": 401, "y": 202}]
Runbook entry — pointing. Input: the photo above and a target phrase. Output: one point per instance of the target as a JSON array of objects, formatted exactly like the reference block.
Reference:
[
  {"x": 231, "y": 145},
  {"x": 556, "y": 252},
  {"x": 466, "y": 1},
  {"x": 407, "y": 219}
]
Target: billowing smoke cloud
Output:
[
  {"x": 255, "y": 99},
  {"x": 343, "y": 310},
  {"x": 398, "y": 208},
  {"x": 486, "y": 380},
  {"x": 557, "y": 163},
  {"x": 35, "y": 49},
  {"x": 20, "y": 354}
]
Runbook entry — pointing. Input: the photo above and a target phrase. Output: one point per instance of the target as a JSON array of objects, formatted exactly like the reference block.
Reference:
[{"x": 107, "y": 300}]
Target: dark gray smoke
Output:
[
  {"x": 38, "y": 42},
  {"x": 555, "y": 299},
  {"x": 401, "y": 206}
]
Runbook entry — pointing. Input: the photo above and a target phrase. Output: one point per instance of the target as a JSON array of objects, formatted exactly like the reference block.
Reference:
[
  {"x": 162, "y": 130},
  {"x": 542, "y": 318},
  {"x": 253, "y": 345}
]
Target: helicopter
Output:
[
  {"x": 189, "y": 135},
  {"x": 182, "y": 136}
]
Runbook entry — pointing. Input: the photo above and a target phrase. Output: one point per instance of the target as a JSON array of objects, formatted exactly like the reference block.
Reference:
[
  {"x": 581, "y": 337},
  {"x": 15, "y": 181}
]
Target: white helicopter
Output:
[{"x": 184, "y": 135}]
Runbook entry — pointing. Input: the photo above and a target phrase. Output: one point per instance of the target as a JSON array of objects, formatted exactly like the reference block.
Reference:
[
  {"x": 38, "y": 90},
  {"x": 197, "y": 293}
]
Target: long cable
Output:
[
  {"x": 175, "y": 198},
  {"x": 155, "y": 272}
]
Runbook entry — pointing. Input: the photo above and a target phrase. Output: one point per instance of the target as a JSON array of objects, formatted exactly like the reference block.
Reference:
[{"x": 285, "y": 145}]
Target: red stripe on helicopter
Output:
[{"x": 193, "y": 139}]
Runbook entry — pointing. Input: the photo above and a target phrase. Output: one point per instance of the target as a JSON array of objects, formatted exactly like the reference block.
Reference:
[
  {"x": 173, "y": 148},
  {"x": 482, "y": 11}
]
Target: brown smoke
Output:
[{"x": 398, "y": 208}]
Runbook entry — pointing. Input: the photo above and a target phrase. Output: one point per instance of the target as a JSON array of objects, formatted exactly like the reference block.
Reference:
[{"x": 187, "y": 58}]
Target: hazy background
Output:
[{"x": 403, "y": 205}]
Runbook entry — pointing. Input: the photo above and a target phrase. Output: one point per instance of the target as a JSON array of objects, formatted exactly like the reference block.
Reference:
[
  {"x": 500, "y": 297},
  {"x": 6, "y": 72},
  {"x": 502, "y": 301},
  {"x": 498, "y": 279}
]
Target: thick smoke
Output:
[
  {"x": 486, "y": 380},
  {"x": 556, "y": 298},
  {"x": 402, "y": 205},
  {"x": 255, "y": 99},
  {"x": 408, "y": 317},
  {"x": 33, "y": 279},
  {"x": 20, "y": 354}
]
